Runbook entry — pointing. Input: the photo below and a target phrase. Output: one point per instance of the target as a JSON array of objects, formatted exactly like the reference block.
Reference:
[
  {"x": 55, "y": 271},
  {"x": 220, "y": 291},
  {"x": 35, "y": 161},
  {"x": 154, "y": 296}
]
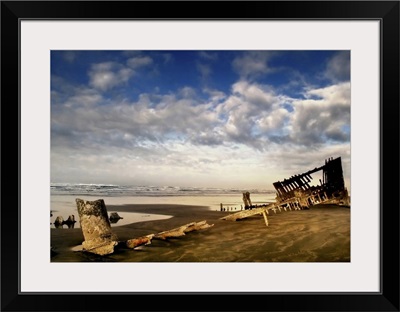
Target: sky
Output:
[{"x": 230, "y": 119}]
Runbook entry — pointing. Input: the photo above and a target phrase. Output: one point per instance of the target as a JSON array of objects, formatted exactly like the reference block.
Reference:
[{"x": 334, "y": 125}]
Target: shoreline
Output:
[
  {"x": 320, "y": 234},
  {"x": 67, "y": 202}
]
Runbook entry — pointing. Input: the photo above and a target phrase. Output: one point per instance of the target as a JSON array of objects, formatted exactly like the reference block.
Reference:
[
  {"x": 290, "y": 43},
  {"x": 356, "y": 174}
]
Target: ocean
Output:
[{"x": 63, "y": 195}]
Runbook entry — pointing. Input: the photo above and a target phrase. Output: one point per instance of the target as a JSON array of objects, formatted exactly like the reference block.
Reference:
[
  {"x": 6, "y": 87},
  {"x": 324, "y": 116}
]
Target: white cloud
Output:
[
  {"x": 104, "y": 76},
  {"x": 338, "y": 94},
  {"x": 253, "y": 114},
  {"x": 324, "y": 118},
  {"x": 260, "y": 96},
  {"x": 107, "y": 75},
  {"x": 273, "y": 121},
  {"x": 211, "y": 56},
  {"x": 187, "y": 92},
  {"x": 84, "y": 98},
  {"x": 159, "y": 118},
  {"x": 338, "y": 68},
  {"x": 252, "y": 64},
  {"x": 215, "y": 96},
  {"x": 139, "y": 61}
]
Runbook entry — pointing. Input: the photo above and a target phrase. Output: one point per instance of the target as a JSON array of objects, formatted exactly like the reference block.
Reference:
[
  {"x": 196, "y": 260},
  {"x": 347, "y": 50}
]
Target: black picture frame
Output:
[{"x": 12, "y": 12}]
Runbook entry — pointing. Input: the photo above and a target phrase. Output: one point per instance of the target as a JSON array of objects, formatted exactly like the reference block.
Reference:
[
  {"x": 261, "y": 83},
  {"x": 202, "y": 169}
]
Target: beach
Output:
[{"x": 319, "y": 234}]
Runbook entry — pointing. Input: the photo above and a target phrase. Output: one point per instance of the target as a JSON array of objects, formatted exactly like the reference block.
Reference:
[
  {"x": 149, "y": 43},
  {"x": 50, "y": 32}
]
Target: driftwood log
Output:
[
  {"x": 247, "y": 213},
  {"x": 195, "y": 226},
  {"x": 180, "y": 231},
  {"x": 174, "y": 233},
  {"x": 136, "y": 242},
  {"x": 177, "y": 232}
]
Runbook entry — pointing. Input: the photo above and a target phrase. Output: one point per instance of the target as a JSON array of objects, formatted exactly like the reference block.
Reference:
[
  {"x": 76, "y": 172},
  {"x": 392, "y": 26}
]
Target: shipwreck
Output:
[{"x": 298, "y": 193}]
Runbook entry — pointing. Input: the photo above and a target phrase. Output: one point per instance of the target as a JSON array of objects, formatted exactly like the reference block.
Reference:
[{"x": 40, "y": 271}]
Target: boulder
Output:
[{"x": 59, "y": 222}]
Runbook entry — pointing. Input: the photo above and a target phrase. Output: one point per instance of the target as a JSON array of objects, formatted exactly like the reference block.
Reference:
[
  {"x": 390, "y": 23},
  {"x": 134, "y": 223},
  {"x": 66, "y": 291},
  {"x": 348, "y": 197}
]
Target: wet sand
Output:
[{"x": 320, "y": 234}]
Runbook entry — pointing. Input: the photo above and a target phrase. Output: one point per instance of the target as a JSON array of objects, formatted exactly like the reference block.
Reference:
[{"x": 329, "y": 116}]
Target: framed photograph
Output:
[{"x": 239, "y": 157}]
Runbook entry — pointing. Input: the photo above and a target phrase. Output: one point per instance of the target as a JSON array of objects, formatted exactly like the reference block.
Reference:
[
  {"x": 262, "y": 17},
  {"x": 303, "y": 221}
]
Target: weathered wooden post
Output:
[
  {"x": 265, "y": 217},
  {"x": 247, "y": 200},
  {"x": 96, "y": 227}
]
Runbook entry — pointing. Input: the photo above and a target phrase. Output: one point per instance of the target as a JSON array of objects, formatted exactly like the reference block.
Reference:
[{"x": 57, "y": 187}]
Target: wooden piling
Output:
[
  {"x": 96, "y": 227},
  {"x": 265, "y": 218}
]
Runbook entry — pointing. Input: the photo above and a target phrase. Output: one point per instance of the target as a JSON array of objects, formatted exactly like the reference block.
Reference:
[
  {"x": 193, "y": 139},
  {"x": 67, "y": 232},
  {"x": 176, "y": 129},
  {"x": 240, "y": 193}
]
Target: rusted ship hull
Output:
[{"x": 296, "y": 192}]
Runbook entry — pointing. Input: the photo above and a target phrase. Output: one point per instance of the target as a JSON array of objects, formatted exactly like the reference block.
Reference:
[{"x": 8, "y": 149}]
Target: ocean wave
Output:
[{"x": 143, "y": 190}]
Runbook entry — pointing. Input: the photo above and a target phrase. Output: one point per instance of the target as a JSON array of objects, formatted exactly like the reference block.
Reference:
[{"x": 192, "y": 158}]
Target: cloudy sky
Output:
[{"x": 242, "y": 119}]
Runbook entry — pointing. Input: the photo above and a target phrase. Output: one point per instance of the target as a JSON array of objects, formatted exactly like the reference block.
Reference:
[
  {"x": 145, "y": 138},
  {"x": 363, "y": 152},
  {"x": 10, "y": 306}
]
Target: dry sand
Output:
[{"x": 320, "y": 234}]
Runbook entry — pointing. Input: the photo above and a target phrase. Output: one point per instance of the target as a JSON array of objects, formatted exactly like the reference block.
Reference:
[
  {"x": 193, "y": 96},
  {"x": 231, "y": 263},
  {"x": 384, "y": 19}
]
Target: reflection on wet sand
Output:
[{"x": 70, "y": 222}]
